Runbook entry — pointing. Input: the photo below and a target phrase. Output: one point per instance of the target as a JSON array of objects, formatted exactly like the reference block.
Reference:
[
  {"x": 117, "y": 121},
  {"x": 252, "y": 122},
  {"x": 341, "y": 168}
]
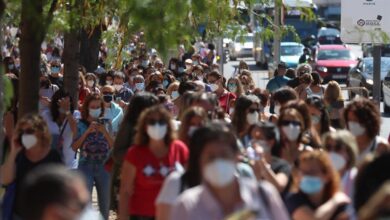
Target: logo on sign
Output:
[
  {"x": 369, "y": 2},
  {"x": 372, "y": 22}
]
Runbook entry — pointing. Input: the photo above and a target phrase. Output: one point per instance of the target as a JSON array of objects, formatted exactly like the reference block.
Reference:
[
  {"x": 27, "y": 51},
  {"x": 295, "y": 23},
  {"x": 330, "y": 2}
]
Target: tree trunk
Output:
[
  {"x": 2, "y": 90},
  {"x": 70, "y": 56},
  {"x": 32, "y": 34},
  {"x": 89, "y": 48}
]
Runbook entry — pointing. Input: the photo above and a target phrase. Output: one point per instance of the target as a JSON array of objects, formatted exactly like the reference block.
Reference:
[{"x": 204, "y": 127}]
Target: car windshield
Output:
[
  {"x": 291, "y": 50},
  {"x": 369, "y": 66},
  {"x": 244, "y": 39},
  {"x": 335, "y": 55},
  {"x": 328, "y": 32}
]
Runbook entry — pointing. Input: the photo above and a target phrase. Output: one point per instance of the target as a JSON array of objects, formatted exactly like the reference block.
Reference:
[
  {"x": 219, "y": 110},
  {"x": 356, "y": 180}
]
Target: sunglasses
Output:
[
  {"x": 287, "y": 122},
  {"x": 154, "y": 122},
  {"x": 28, "y": 131},
  {"x": 253, "y": 110}
]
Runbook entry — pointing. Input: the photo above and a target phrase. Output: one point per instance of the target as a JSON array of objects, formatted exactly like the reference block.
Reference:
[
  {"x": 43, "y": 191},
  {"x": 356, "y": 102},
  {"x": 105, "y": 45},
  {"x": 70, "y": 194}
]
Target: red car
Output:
[{"x": 334, "y": 61}]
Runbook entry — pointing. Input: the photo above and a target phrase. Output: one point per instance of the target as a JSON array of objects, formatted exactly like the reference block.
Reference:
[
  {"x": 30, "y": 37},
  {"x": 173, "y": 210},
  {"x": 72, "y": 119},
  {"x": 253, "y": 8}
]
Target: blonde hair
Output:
[
  {"x": 38, "y": 124},
  {"x": 333, "y": 92},
  {"x": 346, "y": 140},
  {"x": 173, "y": 86}
]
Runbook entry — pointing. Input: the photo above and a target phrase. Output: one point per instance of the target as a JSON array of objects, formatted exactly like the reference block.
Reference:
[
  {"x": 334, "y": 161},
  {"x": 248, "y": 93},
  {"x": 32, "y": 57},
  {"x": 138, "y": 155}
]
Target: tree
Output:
[{"x": 35, "y": 21}]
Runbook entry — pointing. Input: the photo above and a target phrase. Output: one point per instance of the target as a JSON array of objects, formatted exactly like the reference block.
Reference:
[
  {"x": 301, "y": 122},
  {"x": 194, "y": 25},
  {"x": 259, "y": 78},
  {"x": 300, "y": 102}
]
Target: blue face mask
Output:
[
  {"x": 11, "y": 66},
  {"x": 95, "y": 113},
  {"x": 181, "y": 70},
  {"x": 165, "y": 83},
  {"x": 140, "y": 86},
  {"x": 55, "y": 69},
  {"x": 311, "y": 185}
]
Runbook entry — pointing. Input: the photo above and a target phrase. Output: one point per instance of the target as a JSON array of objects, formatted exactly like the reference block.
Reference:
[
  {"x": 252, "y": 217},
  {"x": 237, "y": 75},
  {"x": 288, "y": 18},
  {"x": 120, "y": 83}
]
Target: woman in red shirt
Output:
[
  {"x": 155, "y": 154},
  {"x": 217, "y": 86}
]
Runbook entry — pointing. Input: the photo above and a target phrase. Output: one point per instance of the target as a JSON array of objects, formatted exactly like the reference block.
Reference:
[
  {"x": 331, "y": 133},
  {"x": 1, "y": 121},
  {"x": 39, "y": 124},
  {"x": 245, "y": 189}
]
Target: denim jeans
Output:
[{"x": 96, "y": 175}]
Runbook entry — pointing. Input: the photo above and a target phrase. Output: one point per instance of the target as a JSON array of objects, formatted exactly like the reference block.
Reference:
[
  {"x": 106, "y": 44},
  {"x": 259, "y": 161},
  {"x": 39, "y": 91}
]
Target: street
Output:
[{"x": 261, "y": 79}]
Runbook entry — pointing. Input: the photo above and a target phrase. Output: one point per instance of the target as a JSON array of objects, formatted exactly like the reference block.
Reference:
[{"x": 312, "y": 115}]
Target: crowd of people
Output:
[{"x": 178, "y": 140}]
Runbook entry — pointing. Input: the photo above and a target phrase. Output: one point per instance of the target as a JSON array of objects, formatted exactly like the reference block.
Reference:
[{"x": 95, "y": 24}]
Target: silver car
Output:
[{"x": 242, "y": 46}]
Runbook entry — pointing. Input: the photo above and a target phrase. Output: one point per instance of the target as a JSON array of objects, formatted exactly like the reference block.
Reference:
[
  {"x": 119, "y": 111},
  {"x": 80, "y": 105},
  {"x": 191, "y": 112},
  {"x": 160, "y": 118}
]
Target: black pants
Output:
[{"x": 141, "y": 218}]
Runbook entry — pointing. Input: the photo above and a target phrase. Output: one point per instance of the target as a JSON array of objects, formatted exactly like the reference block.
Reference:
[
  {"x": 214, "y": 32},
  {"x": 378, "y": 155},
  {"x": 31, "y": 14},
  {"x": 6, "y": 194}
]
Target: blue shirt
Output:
[
  {"x": 115, "y": 115},
  {"x": 276, "y": 83}
]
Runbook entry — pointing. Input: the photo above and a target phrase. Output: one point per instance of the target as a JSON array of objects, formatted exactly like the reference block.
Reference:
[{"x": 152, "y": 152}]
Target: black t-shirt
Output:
[
  {"x": 297, "y": 200},
  {"x": 293, "y": 83},
  {"x": 24, "y": 166},
  {"x": 279, "y": 165}
]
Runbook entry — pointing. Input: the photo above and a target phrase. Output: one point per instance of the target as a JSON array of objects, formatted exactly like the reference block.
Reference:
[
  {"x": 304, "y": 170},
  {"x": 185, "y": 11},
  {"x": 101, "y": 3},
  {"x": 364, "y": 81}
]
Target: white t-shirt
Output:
[
  {"x": 69, "y": 158},
  {"x": 170, "y": 189}
]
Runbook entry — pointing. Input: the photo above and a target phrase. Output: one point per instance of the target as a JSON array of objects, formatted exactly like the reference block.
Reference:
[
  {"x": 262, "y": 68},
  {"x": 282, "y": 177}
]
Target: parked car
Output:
[
  {"x": 362, "y": 75},
  {"x": 290, "y": 52},
  {"x": 333, "y": 62},
  {"x": 329, "y": 36},
  {"x": 241, "y": 47},
  {"x": 368, "y": 50}
]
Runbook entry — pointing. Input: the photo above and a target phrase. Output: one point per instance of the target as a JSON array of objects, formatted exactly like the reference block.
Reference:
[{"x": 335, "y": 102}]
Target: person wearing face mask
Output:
[
  {"x": 109, "y": 78},
  {"x": 217, "y": 86},
  {"x": 220, "y": 193},
  {"x": 173, "y": 65},
  {"x": 342, "y": 148},
  {"x": 363, "y": 120},
  {"x": 192, "y": 119},
  {"x": 133, "y": 72},
  {"x": 94, "y": 142},
  {"x": 265, "y": 139},
  {"x": 291, "y": 125},
  {"x": 62, "y": 124},
  {"x": 196, "y": 59},
  {"x": 234, "y": 86},
  {"x": 46, "y": 91},
  {"x": 319, "y": 196},
  {"x": 319, "y": 116},
  {"x": 55, "y": 76},
  {"x": 30, "y": 149},
  {"x": 197, "y": 73},
  {"x": 188, "y": 65},
  {"x": 112, "y": 111},
  {"x": 148, "y": 162},
  {"x": 122, "y": 94},
  {"x": 246, "y": 113},
  {"x": 139, "y": 84},
  {"x": 91, "y": 83},
  {"x": 62, "y": 195}
]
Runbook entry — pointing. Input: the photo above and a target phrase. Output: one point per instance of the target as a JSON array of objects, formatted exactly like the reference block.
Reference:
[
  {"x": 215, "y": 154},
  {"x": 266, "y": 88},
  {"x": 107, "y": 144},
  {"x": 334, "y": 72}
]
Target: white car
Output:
[{"x": 241, "y": 47}]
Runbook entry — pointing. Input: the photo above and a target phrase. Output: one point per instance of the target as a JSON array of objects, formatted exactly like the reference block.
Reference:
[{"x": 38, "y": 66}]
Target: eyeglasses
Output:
[
  {"x": 253, "y": 110},
  {"x": 157, "y": 121},
  {"x": 287, "y": 122}
]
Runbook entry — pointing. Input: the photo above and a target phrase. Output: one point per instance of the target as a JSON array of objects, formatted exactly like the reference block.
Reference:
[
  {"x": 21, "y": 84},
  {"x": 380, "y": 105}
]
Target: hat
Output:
[{"x": 282, "y": 65}]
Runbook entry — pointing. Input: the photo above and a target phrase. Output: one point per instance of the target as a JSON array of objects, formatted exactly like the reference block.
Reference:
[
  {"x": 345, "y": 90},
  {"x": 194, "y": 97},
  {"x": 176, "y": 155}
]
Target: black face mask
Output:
[{"x": 108, "y": 98}]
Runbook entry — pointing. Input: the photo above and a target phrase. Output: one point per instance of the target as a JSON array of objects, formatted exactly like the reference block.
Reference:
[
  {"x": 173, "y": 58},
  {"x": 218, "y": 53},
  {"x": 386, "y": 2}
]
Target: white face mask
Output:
[
  {"x": 220, "y": 172},
  {"x": 29, "y": 141},
  {"x": 173, "y": 66},
  {"x": 214, "y": 87},
  {"x": 356, "y": 129},
  {"x": 277, "y": 109},
  {"x": 118, "y": 87},
  {"x": 231, "y": 111},
  {"x": 338, "y": 160},
  {"x": 188, "y": 66},
  {"x": 291, "y": 131},
  {"x": 90, "y": 83},
  {"x": 252, "y": 118},
  {"x": 191, "y": 130},
  {"x": 95, "y": 113},
  {"x": 175, "y": 95},
  {"x": 264, "y": 144},
  {"x": 109, "y": 82},
  {"x": 157, "y": 131}
]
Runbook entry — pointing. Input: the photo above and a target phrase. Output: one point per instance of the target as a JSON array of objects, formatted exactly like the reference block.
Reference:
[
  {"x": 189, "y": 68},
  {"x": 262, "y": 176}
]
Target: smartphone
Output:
[{"x": 102, "y": 121}]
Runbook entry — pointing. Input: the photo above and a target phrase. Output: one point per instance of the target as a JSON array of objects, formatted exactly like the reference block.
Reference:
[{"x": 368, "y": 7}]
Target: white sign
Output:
[{"x": 364, "y": 21}]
